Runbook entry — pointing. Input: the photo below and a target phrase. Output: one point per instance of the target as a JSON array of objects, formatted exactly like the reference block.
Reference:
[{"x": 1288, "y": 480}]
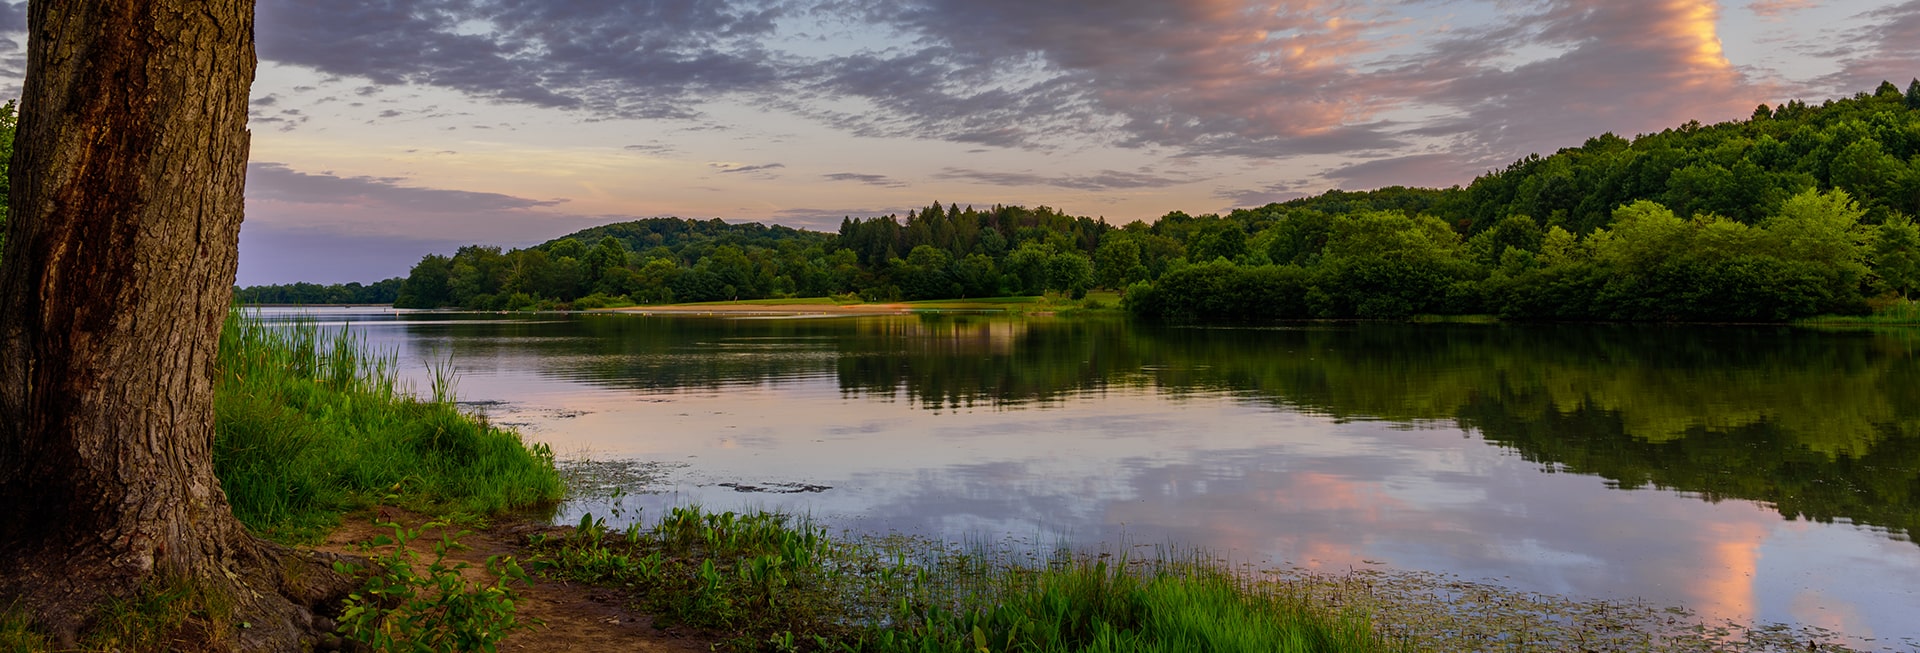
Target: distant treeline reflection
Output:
[{"x": 1823, "y": 426}]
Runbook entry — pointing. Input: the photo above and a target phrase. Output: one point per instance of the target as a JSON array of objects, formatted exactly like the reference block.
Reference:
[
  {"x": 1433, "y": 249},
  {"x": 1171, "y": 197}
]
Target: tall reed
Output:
[{"x": 312, "y": 423}]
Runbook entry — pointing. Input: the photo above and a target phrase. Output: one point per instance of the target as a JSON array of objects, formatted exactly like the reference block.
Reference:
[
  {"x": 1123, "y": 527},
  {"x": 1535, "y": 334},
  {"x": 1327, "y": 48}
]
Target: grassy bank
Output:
[
  {"x": 770, "y": 583},
  {"x": 312, "y": 425}
]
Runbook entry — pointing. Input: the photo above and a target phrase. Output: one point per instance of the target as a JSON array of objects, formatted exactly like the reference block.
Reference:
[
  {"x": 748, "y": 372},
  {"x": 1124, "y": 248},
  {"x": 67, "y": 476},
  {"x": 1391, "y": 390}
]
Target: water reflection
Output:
[{"x": 1748, "y": 473}]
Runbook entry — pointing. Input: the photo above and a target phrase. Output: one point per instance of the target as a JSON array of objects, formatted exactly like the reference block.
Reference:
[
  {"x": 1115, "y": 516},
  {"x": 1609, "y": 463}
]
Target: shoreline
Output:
[{"x": 787, "y": 310}]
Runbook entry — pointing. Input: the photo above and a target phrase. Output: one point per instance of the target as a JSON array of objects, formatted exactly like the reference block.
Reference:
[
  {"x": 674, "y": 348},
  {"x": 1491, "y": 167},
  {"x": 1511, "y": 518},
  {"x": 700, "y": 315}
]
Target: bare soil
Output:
[{"x": 575, "y": 617}]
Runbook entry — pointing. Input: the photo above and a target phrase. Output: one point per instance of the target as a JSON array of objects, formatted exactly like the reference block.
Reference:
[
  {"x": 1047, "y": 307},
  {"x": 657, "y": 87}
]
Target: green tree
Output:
[
  {"x": 1868, "y": 173},
  {"x": 428, "y": 285},
  {"x": 926, "y": 273},
  {"x": 477, "y": 276},
  {"x": 1896, "y": 255},
  {"x": 606, "y": 255},
  {"x": 1821, "y": 228},
  {"x": 1517, "y": 232},
  {"x": 1385, "y": 264},
  {"x": 1025, "y": 270},
  {"x": 992, "y": 242},
  {"x": 1117, "y": 262},
  {"x": 567, "y": 248},
  {"x": 1913, "y": 95},
  {"x": 977, "y": 275},
  {"x": 1070, "y": 272},
  {"x": 1220, "y": 240}
]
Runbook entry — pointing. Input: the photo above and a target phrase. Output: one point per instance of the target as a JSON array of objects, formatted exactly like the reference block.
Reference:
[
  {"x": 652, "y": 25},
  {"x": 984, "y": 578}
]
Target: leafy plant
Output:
[{"x": 400, "y": 608}]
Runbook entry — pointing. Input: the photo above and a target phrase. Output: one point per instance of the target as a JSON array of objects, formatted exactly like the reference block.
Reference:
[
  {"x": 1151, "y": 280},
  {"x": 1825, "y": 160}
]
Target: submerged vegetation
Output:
[
  {"x": 311, "y": 425},
  {"x": 1798, "y": 211}
]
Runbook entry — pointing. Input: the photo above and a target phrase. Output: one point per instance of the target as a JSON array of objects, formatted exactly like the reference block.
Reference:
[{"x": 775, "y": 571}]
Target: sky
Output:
[{"x": 384, "y": 130}]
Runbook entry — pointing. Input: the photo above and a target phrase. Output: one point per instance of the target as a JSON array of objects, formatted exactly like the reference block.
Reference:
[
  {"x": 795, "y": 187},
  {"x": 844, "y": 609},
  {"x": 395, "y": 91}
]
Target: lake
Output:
[{"x": 1754, "y": 474}]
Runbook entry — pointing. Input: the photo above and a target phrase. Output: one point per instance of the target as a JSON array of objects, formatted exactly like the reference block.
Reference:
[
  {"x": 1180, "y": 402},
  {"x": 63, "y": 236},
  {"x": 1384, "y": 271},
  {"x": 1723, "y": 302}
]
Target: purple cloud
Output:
[
  {"x": 275, "y": 182},
  {"x": 1103, "y": 180},
  {"x": 608, "y": 57},
  {"x": 882, "y": 181}
]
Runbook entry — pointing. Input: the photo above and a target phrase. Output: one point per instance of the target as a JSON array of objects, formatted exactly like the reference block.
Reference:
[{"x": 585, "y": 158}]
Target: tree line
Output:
[
  {"x": 380, "y": 292},
  {"x": 1796, "y": 211},
  {"x": 937, "y": 252}
]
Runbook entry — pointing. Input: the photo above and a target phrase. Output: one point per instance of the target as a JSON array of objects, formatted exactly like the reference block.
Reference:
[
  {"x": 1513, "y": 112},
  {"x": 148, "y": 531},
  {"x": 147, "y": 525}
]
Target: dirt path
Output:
[{"x": 578, "y": 617}]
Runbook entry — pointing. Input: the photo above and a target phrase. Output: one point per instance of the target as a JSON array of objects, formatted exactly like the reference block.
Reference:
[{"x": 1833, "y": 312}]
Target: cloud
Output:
[
  {"x": 1885, "y": 49},
  {"x": 1423, "y": 170},
  {"x": 1282, "y": 78},
  {"x": 13, "y": 18},
  {"x": 1103, "y": 180},
  {"x": 1777, "y": 8},
  {"x": 607, "y": 57},
  {"x": 1252, "y": 197},
  {"x": 1207, "y": 78},
  {"x": 656, "y": 148},
  {"x": 267, "y": 181},
  {"x": 1268, "y": 77},
  {"x": 728, "y": 168},
  {"x": 882, "y": 181},
  {"x": 1627, "y": 66}
]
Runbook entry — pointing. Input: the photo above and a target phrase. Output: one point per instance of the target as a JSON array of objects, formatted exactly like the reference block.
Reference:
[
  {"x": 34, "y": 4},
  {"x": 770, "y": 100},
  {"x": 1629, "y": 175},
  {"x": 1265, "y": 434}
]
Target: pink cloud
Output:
[
  {"x": 1623, "y": 66},
  {"x": 1777, "y": 8}
]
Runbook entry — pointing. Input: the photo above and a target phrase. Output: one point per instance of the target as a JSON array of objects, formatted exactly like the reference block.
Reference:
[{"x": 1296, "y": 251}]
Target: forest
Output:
[
  {"x": 1799, "y": 210},
  {"x": 380, "y": 292}
]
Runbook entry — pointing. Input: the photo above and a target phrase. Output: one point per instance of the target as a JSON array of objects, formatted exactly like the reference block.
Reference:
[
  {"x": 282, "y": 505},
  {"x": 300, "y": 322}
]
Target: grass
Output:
[
  {"x": 167, "y": 613},
  {"x": 312, "y": 425},
  {"x": 1090, "y": 606},
  {"x": 768, "y": 582},
  {"x": 17, "y": 634}
]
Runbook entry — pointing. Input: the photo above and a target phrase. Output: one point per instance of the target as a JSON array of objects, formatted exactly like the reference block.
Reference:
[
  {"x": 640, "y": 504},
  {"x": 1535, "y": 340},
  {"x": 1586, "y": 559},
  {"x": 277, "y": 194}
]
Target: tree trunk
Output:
[{"x": 127, "y": 183}]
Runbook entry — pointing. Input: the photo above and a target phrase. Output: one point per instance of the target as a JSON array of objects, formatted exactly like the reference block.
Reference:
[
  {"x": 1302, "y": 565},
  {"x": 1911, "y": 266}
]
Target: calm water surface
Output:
[{"x": 1751, "y": 474}]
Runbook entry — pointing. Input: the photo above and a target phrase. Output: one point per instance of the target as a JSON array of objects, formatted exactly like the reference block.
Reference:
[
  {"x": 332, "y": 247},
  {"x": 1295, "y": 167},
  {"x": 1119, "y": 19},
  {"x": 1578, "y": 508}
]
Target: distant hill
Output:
[{"x": 676, "y": 234}]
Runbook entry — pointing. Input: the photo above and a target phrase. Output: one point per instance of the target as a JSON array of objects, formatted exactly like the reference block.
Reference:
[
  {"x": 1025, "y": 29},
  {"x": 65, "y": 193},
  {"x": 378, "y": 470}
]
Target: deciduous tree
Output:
[{"x": 126, "y": 205}]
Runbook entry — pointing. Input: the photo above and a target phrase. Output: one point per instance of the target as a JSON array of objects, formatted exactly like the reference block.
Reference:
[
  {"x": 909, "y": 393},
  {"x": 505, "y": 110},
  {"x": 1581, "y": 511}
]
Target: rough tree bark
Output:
[{"x": 127, "y": 186}]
